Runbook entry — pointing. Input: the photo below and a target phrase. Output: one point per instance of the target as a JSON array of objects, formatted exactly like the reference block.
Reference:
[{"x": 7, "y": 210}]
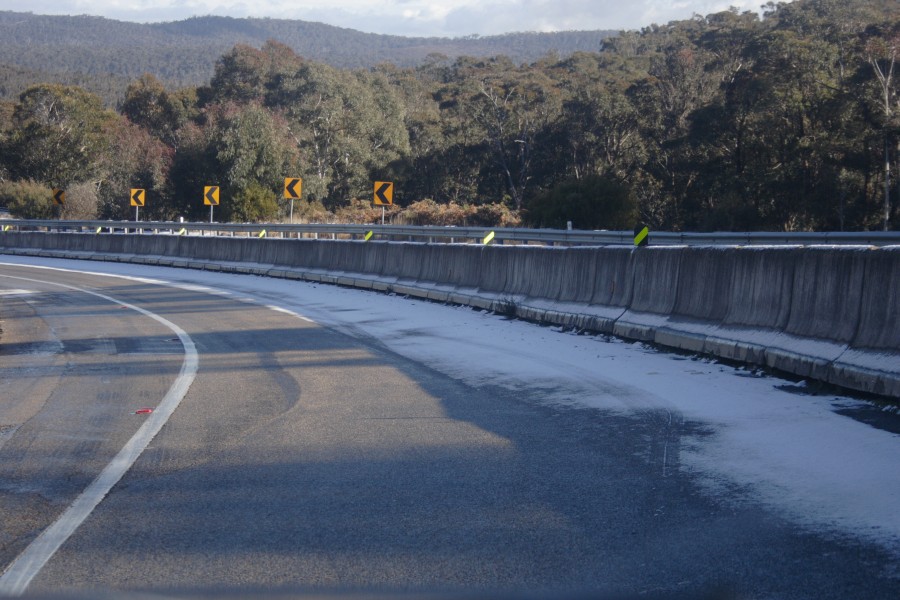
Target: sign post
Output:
[
  {"x": 384, "y": 195},
  {"x": 211, "y": 198},
  {"x": 138, "y": 198},
  {"x": 293, "y": 188},
  {"x": 59, "y": 199}
]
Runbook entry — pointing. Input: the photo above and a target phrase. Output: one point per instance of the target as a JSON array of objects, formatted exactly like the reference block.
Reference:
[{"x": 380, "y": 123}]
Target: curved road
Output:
[{"x": 304, "y": 459}]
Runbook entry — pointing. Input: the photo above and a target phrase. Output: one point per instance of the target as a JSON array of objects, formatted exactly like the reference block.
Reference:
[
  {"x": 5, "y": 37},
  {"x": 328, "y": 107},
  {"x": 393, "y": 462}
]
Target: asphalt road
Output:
[{"x": 302, "y": 459}]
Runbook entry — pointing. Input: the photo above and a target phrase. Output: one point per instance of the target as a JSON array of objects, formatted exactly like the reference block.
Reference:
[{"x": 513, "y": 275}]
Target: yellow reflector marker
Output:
[
  {"x": 262, "y": 233},
  {"x": 641, "y": 236},
  {"x": 182, "y": 231},
  {"x": 369, "y": 236},
  {"x": 488, "y": 238},
  {"x": 98, "y": 229}
]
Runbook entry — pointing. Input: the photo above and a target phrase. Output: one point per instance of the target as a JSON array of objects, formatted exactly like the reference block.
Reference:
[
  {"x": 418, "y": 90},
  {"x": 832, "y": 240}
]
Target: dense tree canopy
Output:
[{"x": 730, "y": 121}]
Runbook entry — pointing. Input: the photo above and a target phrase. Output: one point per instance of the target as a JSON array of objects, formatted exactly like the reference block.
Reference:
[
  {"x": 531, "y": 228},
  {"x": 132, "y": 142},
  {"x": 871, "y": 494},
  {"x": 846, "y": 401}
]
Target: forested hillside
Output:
[
  {"x": 184, "y": 53},
  {"x": 724, "y": 122}
]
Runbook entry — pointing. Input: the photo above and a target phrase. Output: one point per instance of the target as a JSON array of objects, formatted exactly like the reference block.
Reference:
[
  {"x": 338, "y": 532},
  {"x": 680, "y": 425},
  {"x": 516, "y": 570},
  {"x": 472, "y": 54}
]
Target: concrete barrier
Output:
[
  {"x": 613, "y": 277},
  {"x": 696, "y": 301},
  {"x": 879, "y": 315},
  {"x": 761, "y": 289},
  {"x": 654, "y": 277},
  {"x": 827, "y": 291},
  {"x": 827, "y": 313},
  {"x": 874, "y": 346}
]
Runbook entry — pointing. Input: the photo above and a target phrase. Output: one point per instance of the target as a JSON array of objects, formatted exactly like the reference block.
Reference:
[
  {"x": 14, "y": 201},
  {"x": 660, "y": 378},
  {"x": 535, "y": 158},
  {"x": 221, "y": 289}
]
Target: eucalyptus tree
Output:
[
  {"x": 251, "y": 153},
  {"x": 136, "y": 159},
  {"x": 420, "y": 173},
  {"x": 513, "y": 107},
  {"x": 601, "y": 129},
  {"x": 458, "y": 162},
  {"x": 59, "y": 135},
  {"x": 883, "y": 52},
  {"x": 159, "y": 111},
  {"x": 346, "y": 125},
  {"x": 6, "y": 126}
]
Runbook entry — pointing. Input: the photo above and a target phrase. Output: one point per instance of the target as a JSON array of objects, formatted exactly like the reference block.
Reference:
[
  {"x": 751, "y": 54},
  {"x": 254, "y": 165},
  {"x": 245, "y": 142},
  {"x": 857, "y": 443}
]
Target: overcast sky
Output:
[{"x": 405, "y": 17}]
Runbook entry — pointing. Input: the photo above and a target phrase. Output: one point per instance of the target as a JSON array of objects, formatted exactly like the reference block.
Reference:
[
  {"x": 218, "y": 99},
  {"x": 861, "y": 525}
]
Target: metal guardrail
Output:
[{"x": 457, "y": 234}]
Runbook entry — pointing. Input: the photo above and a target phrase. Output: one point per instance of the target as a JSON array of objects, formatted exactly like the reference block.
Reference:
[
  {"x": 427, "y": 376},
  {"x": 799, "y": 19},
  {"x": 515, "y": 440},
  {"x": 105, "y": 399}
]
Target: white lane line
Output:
[
  {"x": 28, "y": 564},
  {"x": 288, "y": 312},
  {"x": 190, "y": 287}
]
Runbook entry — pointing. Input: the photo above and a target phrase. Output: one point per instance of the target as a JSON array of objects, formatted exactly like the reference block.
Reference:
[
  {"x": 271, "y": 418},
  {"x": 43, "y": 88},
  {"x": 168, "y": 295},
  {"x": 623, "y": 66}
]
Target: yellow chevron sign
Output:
[
  {"x": 211, "y": 195},
  {"x": 138, "y": 196},
  {"x": 293, "y": 188},
  {"x": 384, "y": 193}
]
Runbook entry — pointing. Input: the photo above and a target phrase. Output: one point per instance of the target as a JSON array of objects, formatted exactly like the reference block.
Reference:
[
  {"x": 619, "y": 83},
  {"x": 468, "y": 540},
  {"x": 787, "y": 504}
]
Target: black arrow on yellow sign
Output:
[
  {"x": 384, "y": 193},
  {"x": 138, "y": 196},
  {"x": 211, "y": 195},
  {"x": 59, "y": 197},
  {"x": 293, "y": 186}
]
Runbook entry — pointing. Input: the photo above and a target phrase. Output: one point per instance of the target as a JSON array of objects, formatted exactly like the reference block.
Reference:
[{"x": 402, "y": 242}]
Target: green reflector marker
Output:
[
  {"x": 641, "y": 235},
  {"x": 369, "y": 235},
  {"x": 489, "y": 238}
]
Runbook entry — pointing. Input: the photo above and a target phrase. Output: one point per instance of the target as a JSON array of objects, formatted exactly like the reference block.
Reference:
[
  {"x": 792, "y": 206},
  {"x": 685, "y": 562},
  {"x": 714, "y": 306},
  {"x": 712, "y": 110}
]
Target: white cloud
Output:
[{"x": 406, "y": 17}]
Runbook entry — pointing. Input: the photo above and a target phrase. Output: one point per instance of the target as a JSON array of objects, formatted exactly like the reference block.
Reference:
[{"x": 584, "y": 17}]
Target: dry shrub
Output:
[
  {"x": 362, "y": 212},
  {"x": 82, "y": 201},
  {"x": 429, "y": 212},
  {"x": 495, "y": 215}
]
